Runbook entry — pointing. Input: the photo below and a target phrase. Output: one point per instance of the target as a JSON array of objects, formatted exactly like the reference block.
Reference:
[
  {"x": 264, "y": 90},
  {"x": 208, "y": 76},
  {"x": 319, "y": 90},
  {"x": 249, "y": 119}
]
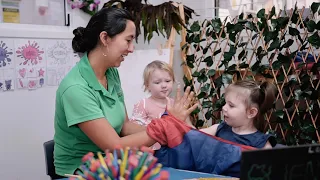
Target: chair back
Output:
[{"x": 48, "y": 153}]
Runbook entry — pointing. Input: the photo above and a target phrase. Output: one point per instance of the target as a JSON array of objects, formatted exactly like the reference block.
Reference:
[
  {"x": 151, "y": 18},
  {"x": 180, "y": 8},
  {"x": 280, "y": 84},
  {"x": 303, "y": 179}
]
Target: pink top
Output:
[{"x": 144, "y": 112}]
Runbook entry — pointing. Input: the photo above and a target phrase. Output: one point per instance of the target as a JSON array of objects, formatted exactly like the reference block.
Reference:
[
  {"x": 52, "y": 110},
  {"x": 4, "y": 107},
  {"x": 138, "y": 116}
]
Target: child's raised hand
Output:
[{"x": 181, "y": 107}]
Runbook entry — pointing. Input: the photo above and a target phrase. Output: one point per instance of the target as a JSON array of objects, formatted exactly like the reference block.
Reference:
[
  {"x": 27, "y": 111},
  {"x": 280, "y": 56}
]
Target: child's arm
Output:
[
  {"x": 211, "y": 130},
  {"x": 267, "y": 146},
  {"x": 139, "y": 114}
]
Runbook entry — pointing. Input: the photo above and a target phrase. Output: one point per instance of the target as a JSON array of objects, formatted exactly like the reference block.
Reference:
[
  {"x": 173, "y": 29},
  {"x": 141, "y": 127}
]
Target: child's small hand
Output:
[{"x": 181, "y": 107}]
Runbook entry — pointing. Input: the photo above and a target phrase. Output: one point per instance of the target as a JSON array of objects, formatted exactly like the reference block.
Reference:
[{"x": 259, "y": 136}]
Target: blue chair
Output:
[{"x": 48, "y": 153}]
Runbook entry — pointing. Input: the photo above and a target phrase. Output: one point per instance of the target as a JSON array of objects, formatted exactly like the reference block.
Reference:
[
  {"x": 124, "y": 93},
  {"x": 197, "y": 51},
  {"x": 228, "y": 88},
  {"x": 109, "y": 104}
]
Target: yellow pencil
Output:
[
  {"x": 157, "y": 169},
  {"x": 141, "y": 172},
  {"x": 124, "y": 162},
  {"x": 103, "y": 163}
]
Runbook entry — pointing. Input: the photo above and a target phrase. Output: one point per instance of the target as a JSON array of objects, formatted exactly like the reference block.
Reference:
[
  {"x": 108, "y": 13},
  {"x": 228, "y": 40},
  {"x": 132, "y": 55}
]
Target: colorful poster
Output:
[
  {"x": 58, "y": 53},
  {"x": 55, "y": 75},
  {"x": 29, "y": 52},
  {"x": 7, "y": 79},
  {"x": 6, "y": 53},
  {"x": 10, "y": 11},
  {"x": 30, "y": 63}
]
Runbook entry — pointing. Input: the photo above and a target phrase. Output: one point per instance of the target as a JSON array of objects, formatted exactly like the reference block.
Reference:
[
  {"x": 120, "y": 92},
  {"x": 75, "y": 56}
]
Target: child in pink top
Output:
[{"x": 158, "y": 80}]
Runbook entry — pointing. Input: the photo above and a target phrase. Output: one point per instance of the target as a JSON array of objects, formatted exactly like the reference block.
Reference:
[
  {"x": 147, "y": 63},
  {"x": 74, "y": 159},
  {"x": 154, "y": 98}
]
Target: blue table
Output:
[{"x": 176, "y": 174}]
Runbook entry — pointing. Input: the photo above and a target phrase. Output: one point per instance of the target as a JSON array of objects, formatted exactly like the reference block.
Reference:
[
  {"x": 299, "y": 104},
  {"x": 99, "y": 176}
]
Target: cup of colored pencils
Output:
[{"x": 121, "y": 164}]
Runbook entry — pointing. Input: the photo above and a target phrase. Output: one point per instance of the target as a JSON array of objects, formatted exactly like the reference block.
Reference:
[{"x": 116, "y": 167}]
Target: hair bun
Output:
[
  {"x": 79, "y": 42},
  {"x": 79, "y": 32}
]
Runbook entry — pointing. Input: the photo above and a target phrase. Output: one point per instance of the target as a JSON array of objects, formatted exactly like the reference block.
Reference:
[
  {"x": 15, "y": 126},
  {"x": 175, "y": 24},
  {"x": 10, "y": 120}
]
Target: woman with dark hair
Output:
[{"x": 90, "y": 113}]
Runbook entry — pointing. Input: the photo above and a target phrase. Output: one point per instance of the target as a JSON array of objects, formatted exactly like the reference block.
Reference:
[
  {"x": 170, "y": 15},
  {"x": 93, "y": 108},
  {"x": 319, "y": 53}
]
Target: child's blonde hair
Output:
[{"x": 155, "y": 65}]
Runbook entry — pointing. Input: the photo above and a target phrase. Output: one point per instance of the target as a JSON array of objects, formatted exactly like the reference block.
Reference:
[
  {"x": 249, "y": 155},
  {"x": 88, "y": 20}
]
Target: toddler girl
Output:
[
  {"x": 158, "y": 80},
  {"x": 246, "y": 102}
]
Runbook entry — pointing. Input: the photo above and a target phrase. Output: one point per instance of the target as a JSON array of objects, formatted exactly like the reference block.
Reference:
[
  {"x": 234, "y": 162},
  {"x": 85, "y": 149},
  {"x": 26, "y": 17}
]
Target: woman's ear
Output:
[
  {"x": 252, "y": 112},
  {"x": 104, "y": 38}
]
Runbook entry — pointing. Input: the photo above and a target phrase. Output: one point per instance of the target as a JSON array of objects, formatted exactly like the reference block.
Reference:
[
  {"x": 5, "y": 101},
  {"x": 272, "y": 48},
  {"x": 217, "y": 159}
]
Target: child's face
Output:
[
  {"x": 160, "y": 84},
  {"x": 235, "y": 109}
]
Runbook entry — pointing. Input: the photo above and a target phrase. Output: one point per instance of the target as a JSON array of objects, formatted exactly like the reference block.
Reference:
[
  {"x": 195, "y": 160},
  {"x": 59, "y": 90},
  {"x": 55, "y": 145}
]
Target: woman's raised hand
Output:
[{"x": 181, "y": 108}]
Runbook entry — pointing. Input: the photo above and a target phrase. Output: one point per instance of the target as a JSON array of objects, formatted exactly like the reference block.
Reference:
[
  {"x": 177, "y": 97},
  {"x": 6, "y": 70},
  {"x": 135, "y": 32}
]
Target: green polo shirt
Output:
[{"x": 80, "y": 98}]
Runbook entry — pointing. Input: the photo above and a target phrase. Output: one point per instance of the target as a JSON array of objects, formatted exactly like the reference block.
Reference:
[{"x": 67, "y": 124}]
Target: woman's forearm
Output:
[
  {"x": 129, "y": 128},
  {"x": 105, "y": 137},
  {"x": 137, "y": 140}
]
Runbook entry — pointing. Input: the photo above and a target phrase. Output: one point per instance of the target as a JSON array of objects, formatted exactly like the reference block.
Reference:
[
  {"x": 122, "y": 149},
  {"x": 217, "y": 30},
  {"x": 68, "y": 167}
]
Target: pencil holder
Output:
[{"x": 121, "y": 164}]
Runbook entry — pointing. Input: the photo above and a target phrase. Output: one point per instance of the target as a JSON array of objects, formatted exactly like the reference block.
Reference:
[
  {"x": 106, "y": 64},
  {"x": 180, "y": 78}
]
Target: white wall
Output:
[{"x": 26, "y": 117}]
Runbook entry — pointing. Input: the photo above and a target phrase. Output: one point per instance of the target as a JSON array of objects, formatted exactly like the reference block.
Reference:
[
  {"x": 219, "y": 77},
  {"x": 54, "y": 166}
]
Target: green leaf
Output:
[
  {"x": 255, "y": 36},
  {"x": 241, "y": 16},
  {"x": 196, "y": 111},
  {"x": 314, "y": 7},
  {"x": 314, "y": 39},
  {"x": 196, "y": 74},
  {"x": 297, "y": 94},
  {"x": 272, "y": 56},
  {"x": 311, "y": 26},
  {"x": 184, "y": 46},
  {"x": 208, "y": 114},
  {"x": 216, "y": 24},
  {"x": 232, "y": 37},
  {"x": 263, "y": 25},
  {"x": 250, "y": 26},
  {"x": 190, "y": 38},
  {"x": 201, "y": 95},
  {"x": 228, "y": 56},
  {"x": 255, "y": 66},
  {"x": 273, "y": 12},
  {"x": 217, "y": 52},
  {"x": 195, "y": 26},
  {"x": 289, "y": 103},
  {"x": 283, "y": 21},
  {"x": 288, "y": 43},
  {"x": 196, "y": 38},
  {"x": 230, "y": 27},
  {"x": 285, "y": 59},
  {"x": 199, "y": 123},
  {"x": 275, "y": 44},
  {"x": 303, "y": 47},
  {"x": 218, "y": 82},
  {"x": 205, "y": 50},
  {"x": 276, "y": 65},
  {"x": 202, "y": 78},
  {"x": 190, "y": 58},
  {"x": 279, "y": 114},
  {"x": 295, "y": 15},
  {"x": 243, "y": 52},
  {"x": 242, "y": 44},
  {"x": 308, "y": 127},
  {"x": 208, "y": 61},
  {"x": 271, "y": 35},
  {"x": 293, "y": 31},
  {"x": 318, "y": 25},
  {"x": 206, "y": 104},
  {"x": 219, "y": 104},
  {"x": 238, "y": 27},
  {"x": 205, "y": 88},
  {"x": 261, "y": 13},
  {"x": 211, "y": 72},
  {"x": 243, "y": 65}
]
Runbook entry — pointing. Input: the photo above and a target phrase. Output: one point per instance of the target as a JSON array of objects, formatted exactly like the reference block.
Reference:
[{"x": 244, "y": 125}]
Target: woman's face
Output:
[{"x": 121, "y": 45}]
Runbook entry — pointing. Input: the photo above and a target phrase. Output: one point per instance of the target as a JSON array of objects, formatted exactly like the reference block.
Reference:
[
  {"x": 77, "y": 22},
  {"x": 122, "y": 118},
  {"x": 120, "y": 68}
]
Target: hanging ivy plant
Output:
[
  {"x": 281, "y": 49},
  {"x": 159, "y": 19}
]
